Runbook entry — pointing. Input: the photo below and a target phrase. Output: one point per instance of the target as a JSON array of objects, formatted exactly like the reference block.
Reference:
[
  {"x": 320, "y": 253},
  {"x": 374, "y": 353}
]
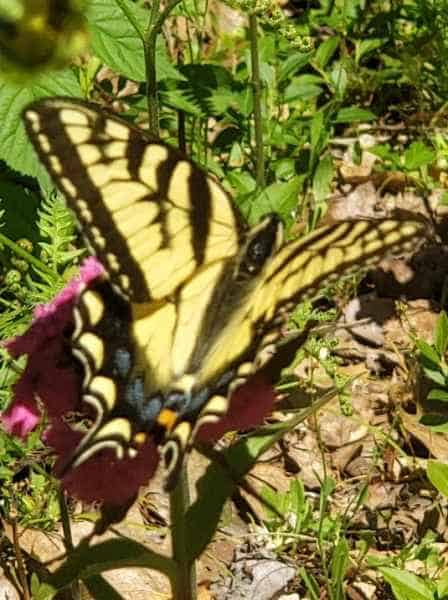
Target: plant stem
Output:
[
  {"x": 256, "y": 87},
  {"x": 184, "y": 586},
  {"x": 68, "y": 540},
  {"x": 156, "y": 21},
  {"x": 21, "y": 571}
]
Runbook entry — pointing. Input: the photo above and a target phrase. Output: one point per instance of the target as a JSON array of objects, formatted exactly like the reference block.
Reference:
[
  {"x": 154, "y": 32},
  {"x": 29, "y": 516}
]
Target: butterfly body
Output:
[{"x": 192, "y": 298}]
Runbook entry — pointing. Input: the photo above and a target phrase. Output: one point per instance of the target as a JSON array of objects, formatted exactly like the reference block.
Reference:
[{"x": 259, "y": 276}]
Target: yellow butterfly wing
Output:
[{"x": 149, "y": 214}]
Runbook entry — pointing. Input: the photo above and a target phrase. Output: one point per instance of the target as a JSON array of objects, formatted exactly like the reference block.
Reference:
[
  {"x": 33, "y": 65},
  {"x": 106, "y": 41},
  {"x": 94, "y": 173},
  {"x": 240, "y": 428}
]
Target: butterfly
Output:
[{"x": 193, "y": 298}]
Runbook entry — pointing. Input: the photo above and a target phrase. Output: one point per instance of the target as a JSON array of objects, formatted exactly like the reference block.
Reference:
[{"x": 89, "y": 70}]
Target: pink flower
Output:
[
  {"x": 248, "y": 407},
  {"x": 52, "y": 379}
]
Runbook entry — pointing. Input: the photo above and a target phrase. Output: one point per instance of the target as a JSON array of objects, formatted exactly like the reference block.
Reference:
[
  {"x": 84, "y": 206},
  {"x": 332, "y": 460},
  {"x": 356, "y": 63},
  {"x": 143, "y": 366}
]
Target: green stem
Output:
[
  {"x": 38, "y": 264},
  {"x": 257, "y": 89},
  {"x": 68, "y": 540},
  {"x": 184, "y": 587},
  {"x": 156, "y": 21}
]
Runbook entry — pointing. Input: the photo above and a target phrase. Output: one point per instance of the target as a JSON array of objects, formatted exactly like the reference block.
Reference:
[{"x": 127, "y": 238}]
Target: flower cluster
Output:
[{"x": 270, "y": 14}]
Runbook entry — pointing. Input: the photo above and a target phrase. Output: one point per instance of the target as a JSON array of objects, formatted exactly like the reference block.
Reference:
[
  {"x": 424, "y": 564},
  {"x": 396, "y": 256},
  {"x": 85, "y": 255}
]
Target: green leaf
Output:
[
  {"x": 441, "y": 395},
  {"x": 418, "y": 155},
  {"x": 311, "y": 584},
  {"x": 41, "y": 591},
  {"x": 406, "y": 585},
  {"x": 442, "y": 585},
  {"x": 364, "y": 47},
  {"x": 210, "y": 87},
  {"x": 339, "y": 563},
  {"x": 116, "y": 41},
  {"x": 437, "y": 423},
  {"x": 437, "y": 473},
  {"x": 338, "y": 78},
  {"x": 322, "y": 179},
  {"x": 298, "y": 498},
  {"x": 20, "y": 206},
  {"x": 241, "y": 181},
  {"x": 15, "y": 149},
  {"x": 285, "y": 168},
  {"x": 179, "y": 100},
  {"x": 428, "y": 352},
  {"x": 351, "y": 114},
  {"x": 295, "y": 62},
  {"x": 441, "y": 333},
  {"x": 319, "y": 135},
  {"x": 326, "y": 51},
  {"x": 435, "y": 375},
  {"x": 386, "y": 153},
  {"x": 281, "y": 198},
  {"x": 304, "y": 87}
]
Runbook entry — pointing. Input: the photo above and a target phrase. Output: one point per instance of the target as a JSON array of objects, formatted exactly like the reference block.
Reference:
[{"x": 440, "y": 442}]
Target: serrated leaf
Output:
[
  {"x": 119, "y": 45},
  {"x": 281, "y": 198},
  {"x": 15, "y": 149},
  {"x": 179, "y": 100},
  {"x": 304, "y": 87},
  {"x": 418, "y": 155}
]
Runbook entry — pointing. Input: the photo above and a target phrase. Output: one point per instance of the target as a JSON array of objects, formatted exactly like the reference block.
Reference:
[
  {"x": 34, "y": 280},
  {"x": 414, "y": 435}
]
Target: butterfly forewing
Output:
[
  {"x": 150, "y": 215},
  {"x": 304, "y": 266},
  {"x": 297, "y": 272}
]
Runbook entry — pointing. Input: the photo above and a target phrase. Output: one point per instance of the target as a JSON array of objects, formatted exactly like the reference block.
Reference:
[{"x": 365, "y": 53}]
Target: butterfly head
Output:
[{"x": 263, "y": 242}]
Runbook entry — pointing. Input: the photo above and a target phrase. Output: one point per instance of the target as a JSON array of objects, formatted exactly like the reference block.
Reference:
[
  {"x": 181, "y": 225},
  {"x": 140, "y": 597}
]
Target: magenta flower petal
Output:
[
  {"x": 20, "y": 418},
  {"x": 63, "y": 439},
  {"x": 103, "y": 477},
  {"x": 248, "y": 408},
  {"x": 49, "y": 375},
  {"x": 51, "y": 320}
]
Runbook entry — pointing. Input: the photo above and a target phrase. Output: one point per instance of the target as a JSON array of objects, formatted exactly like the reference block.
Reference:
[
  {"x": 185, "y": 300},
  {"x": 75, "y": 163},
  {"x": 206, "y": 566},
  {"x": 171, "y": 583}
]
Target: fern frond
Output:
[{"x": 56, "y": 224}]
